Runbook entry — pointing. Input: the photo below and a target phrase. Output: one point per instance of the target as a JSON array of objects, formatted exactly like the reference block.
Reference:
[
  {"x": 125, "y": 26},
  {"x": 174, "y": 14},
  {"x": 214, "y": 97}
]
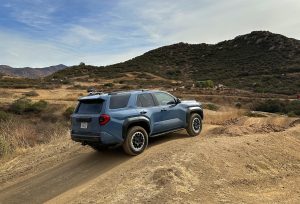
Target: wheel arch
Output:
[
  {"x": 192, "y": 110},
  {"x": 136, "y": 121}
]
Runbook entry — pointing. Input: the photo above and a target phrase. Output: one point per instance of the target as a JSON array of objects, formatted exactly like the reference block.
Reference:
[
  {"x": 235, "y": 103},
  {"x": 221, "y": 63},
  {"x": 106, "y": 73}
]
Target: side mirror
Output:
[{"x": 178, "y": 100}]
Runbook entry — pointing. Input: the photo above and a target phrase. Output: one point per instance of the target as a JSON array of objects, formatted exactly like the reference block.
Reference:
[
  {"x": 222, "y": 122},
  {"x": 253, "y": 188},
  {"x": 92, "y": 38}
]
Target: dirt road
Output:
[{"x": 261, "y": 163}]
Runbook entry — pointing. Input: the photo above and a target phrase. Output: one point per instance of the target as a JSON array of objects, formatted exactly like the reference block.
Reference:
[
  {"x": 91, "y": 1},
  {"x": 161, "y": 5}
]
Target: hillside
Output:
[
  {"x": 28, "y": 72},
  {"x": 260, "y": 61}
]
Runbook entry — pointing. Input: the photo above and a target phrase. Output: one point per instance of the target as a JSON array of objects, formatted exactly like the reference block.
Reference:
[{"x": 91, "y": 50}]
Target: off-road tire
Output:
[
  {"x": 195, "y": 125},
  {"x": 132, "y": 143}
]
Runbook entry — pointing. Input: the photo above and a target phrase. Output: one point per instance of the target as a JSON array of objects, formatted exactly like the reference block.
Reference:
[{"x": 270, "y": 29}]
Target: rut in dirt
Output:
[{"x": 59, "y": 179}]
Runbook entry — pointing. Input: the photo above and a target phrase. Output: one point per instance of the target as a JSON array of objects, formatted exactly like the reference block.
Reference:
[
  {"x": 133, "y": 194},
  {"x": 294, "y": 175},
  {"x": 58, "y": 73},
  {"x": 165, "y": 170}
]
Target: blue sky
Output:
[{"x": 40, "y": 33}]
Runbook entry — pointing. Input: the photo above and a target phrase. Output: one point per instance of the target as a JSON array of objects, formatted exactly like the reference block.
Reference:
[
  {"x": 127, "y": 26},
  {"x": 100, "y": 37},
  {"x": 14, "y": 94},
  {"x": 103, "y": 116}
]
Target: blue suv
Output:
[{"x": 130, "y": 118}]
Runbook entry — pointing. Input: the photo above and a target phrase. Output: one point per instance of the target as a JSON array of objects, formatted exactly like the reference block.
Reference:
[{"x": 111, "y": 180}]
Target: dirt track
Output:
[{"x": 261, "y": 163}]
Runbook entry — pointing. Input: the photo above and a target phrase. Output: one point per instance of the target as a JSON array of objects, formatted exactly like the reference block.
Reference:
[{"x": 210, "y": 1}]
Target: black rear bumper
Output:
[{"x": 86, "y": 137}]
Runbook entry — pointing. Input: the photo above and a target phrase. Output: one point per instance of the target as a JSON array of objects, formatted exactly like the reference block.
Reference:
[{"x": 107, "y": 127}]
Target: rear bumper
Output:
[
  {"x": 100, "y": 138},
  {"x": 84, "y": 138}
]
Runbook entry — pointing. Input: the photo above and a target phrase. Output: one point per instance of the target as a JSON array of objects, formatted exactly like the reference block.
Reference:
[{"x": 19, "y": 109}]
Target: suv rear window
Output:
[
  {"x": 119, "y": 101},
  {"x": 145, "y": 100},
  {"x": 89, "y": 107}
]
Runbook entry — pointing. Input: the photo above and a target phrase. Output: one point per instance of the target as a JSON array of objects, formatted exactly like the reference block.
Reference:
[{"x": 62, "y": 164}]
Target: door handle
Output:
[{"x": 143, "y": 112}]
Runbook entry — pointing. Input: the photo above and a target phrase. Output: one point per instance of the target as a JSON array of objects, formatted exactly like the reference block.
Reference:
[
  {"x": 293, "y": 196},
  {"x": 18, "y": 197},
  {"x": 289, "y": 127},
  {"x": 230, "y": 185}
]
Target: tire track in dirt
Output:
[{"x": 57, "y": 180}]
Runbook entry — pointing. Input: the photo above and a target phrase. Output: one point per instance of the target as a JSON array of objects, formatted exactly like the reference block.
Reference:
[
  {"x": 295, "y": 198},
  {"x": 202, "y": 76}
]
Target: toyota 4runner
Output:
[{"x": 130, "y": 118}]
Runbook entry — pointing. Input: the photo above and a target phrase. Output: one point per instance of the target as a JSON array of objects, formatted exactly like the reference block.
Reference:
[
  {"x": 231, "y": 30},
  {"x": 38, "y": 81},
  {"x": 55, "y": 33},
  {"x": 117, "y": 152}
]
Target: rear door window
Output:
[
  {"x": 119, "y": 101},
  {"x": 145, "y": 100},
  {"x": 90, "y": 107}
]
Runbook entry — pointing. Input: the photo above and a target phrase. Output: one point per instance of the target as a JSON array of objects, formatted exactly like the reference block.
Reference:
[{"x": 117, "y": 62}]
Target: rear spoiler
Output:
[{"x": 91, "y": 99}]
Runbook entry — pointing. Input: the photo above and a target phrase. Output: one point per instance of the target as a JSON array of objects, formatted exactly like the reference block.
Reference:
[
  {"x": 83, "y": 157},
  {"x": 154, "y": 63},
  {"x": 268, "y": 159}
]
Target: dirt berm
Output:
[{"x": 240, "y": 160}]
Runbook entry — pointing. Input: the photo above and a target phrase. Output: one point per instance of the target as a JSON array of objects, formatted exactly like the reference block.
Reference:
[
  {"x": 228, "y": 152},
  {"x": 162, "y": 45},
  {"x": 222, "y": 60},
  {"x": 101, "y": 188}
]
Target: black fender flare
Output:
[
  {"x": 135, "y": 120},
  {"x": 194, "y": 109}
]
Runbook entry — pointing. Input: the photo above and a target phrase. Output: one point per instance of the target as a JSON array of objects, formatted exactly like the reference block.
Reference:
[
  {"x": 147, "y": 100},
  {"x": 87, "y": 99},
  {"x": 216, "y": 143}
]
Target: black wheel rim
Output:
[
  {"x": 196, "y": 124},
  {"x": 137, "y": 141}
]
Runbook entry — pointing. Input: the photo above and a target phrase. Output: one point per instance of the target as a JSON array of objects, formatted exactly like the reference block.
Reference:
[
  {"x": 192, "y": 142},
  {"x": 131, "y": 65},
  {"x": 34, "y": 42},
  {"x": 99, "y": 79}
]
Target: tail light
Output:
[{"x": 104, "y": 118}]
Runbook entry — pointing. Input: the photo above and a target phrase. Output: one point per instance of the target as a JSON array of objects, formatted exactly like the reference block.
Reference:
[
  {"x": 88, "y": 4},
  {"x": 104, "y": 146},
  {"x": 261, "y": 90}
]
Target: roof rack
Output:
[
  {"x": 93, "y": 91},
  {"x": 126, "y": 91}
]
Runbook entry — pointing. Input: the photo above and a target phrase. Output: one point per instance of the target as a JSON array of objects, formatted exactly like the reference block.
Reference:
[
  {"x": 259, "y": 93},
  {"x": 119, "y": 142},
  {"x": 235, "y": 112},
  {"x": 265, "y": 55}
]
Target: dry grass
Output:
[
  {"x": 224, "y": 114},
  {"x": 17, "y": 133}
]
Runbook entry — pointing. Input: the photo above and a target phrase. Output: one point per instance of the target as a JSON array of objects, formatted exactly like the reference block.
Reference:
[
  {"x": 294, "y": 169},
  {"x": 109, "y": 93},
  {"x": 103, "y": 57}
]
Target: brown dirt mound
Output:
[
  {"x": 234, "y": 130},
  {"x": 247, "y": 125}
]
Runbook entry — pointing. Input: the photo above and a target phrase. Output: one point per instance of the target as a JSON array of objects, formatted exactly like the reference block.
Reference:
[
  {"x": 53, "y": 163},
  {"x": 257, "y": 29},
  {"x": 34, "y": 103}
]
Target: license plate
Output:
[{"x": 84, "y": 125}]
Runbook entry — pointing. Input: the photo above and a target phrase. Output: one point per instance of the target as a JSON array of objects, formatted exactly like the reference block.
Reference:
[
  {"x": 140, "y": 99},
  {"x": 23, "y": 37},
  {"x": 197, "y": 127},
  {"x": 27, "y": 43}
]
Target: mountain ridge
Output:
[
  {"x": 260, "y": 61},
  {"x": 28, "y": 72}
]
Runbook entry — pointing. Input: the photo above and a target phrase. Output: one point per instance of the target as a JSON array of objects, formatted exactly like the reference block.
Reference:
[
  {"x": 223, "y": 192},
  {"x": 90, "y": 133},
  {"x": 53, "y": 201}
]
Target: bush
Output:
[
  {"x": 109, "y": 84},
  {"x": 20, "y": 105},
  {"x": 254, "y": 114},
  {"x": 276, "y": 106},
  {"x": 31, "y": 94},
  {"x": 238, "y": 105},
  {"x": 271, "y": 106},
  {"x": 38, "y": 107},
  {"x": 211, "y": 106},
  {"x": 294, "y": 107},
  {"x": 23, "y": 105},
  {"x": 68, "y": 112},
  {"x": 4, "y": 116},
  {"x": 205, "y": 84}
]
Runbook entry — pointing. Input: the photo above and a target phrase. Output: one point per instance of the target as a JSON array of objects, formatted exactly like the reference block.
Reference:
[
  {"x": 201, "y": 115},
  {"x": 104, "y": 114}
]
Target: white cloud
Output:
[
  {"x": 18, "y": 51},
  {"x": 36, "y": 13},
  {"x": 131, "y": 27},
  {"x": 213, "y": 21},
  {"x": 77, "y": 35}
]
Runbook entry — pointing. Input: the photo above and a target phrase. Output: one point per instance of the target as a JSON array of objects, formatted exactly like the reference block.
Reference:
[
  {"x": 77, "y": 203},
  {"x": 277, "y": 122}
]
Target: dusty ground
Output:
[{"x": 236, "y": 159}]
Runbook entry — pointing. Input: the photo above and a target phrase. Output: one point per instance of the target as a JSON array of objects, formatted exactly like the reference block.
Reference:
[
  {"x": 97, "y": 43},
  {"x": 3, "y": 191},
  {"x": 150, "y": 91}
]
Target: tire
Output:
[
  {"x": 136, "y": 141},
  {"x": 195, "y": 125}
]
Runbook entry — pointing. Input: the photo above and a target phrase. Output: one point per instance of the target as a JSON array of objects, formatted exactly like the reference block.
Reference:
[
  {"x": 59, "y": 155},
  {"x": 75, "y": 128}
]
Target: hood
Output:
[{"x": 191, "y": 103}]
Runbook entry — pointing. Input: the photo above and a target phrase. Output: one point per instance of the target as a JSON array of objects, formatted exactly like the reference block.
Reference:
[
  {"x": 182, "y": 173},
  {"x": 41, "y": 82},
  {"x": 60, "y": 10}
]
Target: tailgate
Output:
[{"x": 85, "y": 120}]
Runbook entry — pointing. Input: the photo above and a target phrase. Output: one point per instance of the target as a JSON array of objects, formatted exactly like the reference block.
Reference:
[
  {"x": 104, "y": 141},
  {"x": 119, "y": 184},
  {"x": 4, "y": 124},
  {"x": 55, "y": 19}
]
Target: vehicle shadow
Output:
[{"x": 167, "y": 137}]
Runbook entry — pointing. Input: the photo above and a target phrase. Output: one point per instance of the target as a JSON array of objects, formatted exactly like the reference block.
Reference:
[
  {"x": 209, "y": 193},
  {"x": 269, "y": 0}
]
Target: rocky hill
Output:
[
  {"x": 28, "y": 72},
  {"x": 260, "y": 61}
]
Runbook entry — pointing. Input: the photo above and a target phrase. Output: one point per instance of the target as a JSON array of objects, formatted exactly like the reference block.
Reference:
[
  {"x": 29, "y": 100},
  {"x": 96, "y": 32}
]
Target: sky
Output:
[{"x": 39, "y": 33}]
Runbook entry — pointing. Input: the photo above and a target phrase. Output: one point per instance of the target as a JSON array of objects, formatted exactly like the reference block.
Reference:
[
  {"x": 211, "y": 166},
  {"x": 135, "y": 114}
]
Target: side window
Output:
[
  {"x": 119, "y": 101},
  {"x": 164, "y": 99},
  {"x": 145, "y": 100}
]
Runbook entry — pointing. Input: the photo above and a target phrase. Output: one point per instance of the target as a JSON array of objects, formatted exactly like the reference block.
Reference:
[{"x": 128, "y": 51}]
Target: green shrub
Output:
[
  {"x": 23, "y": 105},
  {"x": 205, "y": 84},
  {"x": 109, "y": 84},
  {"x": 68, "y": 112},
  {"x": 38, "y": 107},
  {"x": 254, "y": 114},
  {"x": 238, "y": 105},
  {"x": 4, "y": 116},
  {"x": 31, "y": 94},
  {"x": 271, "y": 106},
  {"x": 211, "y": 106},
  {"x": 276, "y": 106},
  {"x": 294, "y": 106},
  {"x": 20, "y": 105}
]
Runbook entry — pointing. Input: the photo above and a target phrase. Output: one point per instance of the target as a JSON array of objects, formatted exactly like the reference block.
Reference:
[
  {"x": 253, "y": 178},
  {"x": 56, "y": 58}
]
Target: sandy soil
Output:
[{"x": 236, "y": 159}]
